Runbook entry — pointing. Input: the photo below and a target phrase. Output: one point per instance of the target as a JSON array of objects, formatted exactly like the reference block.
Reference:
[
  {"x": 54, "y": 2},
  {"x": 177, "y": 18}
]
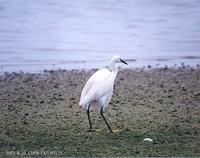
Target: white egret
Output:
[{"x": 99, "y": 88}]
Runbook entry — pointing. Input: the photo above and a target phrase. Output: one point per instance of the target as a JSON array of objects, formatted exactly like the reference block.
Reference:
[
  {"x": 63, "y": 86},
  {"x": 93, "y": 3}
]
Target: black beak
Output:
[{"x": 123, "y": 61}]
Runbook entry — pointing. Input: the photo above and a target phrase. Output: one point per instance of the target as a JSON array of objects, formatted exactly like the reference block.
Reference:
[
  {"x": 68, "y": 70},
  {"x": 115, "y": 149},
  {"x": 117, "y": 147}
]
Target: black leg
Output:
[
  {"x": 105, "y": 120},
  {"x": 88, "y": 114}
]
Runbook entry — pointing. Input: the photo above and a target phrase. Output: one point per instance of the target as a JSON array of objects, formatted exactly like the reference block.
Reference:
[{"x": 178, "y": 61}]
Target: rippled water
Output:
[{"x": 49, "y": 34}]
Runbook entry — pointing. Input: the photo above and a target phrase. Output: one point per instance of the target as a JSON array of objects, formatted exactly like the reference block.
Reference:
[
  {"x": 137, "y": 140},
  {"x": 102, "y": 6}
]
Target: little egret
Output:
[{"x": 99, "y": 88}]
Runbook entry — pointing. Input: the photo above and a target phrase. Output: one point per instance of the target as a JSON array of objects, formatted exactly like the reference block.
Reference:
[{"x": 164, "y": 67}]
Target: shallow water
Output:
[{"x": 48, "y": 34}]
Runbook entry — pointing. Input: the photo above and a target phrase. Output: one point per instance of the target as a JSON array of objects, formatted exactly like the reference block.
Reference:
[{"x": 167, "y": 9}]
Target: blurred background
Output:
[{"x": 67, "y": 34}]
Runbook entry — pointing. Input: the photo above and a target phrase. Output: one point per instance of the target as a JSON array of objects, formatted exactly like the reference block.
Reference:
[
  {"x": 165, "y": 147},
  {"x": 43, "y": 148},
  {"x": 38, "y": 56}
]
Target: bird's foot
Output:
[
  {"x": 116, "y": 130},
  {"x": 98, "y": 130}
]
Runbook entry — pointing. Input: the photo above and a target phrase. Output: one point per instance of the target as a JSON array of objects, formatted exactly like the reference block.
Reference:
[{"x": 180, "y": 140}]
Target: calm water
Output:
[{"x": 49, "y": 34}]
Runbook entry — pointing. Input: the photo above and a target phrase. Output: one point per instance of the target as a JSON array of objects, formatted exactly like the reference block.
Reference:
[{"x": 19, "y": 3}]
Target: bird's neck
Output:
[{"x": 113, "y": 67}]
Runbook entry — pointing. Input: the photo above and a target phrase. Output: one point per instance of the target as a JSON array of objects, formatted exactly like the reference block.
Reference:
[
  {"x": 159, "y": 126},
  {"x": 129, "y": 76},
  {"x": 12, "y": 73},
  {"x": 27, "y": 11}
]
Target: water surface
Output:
[{"x": 49, "y": 34}]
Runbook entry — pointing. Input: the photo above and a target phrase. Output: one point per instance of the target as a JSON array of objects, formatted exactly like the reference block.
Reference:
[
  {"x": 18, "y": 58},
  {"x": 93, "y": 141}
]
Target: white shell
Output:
[{"x": 148, "y": 140}]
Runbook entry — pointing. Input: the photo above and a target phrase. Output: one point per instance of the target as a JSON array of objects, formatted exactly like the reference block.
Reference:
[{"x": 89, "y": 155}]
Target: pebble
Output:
[{"x": 148, "y": 140}]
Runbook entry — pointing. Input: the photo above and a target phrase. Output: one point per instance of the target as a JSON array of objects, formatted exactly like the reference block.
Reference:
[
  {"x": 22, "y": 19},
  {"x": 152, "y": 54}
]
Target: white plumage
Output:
[{"x": 99, "y": 88}]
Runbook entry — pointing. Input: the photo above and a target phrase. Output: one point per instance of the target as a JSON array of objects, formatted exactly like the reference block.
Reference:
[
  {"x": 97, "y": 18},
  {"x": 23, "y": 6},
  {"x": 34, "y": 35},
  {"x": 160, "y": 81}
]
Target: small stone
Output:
[
  {"x": 148, "y": 140},
  {"x": 26, "y": 114},
  {"x": 25, "y": 122},
  {"x": 72, "y": 98}
]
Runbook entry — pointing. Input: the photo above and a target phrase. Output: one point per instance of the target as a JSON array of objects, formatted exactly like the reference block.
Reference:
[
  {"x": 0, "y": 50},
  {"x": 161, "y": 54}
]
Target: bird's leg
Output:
[
  {"x": 105, "y": 120},
  {"x": 88, "y": 114}
]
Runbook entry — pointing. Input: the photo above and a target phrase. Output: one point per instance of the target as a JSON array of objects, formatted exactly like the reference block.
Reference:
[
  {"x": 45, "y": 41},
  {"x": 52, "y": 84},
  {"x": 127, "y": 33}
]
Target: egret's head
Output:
[{"x": 118, "y": 59}]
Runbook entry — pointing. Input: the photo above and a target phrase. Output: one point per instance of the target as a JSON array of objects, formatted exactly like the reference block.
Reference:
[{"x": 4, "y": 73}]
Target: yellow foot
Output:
[
  {"x": 98, "y": 130},
  {"x": 117, "y": 130}
]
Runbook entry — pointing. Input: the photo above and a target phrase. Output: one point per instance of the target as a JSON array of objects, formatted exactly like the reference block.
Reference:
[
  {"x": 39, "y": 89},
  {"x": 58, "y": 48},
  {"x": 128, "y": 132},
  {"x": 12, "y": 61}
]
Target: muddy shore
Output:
[{"x": 40, "y": 112}]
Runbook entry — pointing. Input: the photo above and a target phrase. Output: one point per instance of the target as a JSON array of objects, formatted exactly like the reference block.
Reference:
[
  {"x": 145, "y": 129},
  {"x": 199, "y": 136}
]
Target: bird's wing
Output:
[{"x": 94, "y": 81}]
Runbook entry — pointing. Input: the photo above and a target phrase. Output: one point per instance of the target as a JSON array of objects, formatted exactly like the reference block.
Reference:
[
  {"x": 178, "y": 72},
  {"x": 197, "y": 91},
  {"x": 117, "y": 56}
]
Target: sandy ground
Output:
[{"x": 40, "y": 116}]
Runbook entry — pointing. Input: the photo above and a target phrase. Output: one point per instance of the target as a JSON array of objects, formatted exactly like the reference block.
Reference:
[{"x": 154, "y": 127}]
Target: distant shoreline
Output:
[{"x": 189, "y": 61}]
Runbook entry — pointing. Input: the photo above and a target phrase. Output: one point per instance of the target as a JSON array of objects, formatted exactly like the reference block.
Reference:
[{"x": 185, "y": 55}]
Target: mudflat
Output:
[{"x": 40, "y": 115}]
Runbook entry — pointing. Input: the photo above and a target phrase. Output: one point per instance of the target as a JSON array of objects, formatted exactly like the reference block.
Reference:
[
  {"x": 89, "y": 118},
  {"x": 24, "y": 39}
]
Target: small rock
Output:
[
  {"x": 137, "y": 152},
  {"x": 197, "y": 94},
  {"x": 72, "y": 98},
  {"x": 149, "y": 66},
  {"x": 26, "y": 114},
  {"x": 25, "y": 122},
  {"x": 148, "y": 140}
]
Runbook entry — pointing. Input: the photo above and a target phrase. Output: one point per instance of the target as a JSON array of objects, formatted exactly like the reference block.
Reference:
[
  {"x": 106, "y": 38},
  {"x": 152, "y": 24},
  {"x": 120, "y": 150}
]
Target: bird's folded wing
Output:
[{"x": 94, "y": 82}]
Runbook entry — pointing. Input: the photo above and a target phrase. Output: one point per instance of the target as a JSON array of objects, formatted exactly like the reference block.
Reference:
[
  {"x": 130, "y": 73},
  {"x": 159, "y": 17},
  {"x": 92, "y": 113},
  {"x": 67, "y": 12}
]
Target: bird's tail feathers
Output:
[{"x": 83, "y": 103}]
